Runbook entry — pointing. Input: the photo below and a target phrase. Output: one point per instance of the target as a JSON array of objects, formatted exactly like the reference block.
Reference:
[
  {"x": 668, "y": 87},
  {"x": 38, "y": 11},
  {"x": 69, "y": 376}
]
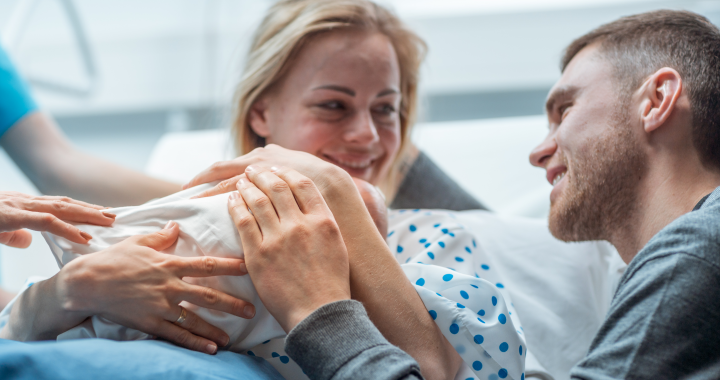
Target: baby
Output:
[{"x": 452, "y": 275}]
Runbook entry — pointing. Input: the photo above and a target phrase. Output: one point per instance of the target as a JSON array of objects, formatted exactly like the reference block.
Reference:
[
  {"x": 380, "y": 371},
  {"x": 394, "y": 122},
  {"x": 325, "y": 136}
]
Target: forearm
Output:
[
  {"x": 45, "y": 155},
  {"x": 38, "y": 314},
  {"x": 338, "y": 341},
  {"x": 377, "y": 280}
]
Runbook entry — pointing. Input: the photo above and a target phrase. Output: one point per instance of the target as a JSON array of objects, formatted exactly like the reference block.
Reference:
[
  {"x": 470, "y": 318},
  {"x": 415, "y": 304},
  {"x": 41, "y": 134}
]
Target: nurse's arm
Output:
[{"x": 55, "y": 166}]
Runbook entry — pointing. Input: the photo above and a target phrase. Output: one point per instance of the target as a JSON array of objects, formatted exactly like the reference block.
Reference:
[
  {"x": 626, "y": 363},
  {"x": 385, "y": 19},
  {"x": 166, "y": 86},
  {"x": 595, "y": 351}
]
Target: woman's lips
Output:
[{"x": 352, "y": 163}]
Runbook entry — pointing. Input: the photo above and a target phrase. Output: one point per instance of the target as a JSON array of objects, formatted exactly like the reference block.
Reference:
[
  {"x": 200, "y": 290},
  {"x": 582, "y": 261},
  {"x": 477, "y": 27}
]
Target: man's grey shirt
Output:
[{"x": 664, "y": 321}]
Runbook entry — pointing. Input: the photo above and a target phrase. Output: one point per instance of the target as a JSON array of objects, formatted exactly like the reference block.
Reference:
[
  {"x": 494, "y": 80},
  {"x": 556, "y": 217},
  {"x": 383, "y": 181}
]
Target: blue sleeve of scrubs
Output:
[{"x": 15, "y": 99}]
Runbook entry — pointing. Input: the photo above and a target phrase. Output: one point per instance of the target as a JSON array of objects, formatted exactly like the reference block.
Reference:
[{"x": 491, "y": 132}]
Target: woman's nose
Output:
[
  {"x": 542, "y": 153},
  {"x": 362, "y": 130}
]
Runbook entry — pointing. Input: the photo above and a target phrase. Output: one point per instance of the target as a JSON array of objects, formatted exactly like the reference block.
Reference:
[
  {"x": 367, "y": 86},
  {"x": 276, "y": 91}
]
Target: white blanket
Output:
[{"x": 469, "y": 302}]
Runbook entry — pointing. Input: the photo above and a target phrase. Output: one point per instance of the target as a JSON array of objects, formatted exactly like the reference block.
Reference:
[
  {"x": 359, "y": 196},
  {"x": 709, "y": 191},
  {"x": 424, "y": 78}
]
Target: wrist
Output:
[
  {"x": 299, "y": 314},
  {"x": 72, "y": 287}
]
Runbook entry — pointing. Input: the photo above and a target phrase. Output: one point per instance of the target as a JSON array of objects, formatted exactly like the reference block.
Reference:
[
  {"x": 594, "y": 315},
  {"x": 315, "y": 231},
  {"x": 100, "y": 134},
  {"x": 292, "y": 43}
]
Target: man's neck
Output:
[{"x": 663, "y": 196}]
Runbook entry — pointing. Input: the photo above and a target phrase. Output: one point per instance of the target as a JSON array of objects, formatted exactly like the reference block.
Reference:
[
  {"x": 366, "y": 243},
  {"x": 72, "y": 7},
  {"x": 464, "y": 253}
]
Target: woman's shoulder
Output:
[{"x": 426, "y": 186}]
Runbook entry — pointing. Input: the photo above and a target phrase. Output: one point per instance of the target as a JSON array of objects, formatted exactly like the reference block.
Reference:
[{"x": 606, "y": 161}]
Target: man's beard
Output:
[{"x": 601, "y": 191}]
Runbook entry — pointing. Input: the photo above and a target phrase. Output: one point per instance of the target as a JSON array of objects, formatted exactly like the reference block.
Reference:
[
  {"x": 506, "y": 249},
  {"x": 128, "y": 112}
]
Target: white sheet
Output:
[{"x": 473, "y": 313}]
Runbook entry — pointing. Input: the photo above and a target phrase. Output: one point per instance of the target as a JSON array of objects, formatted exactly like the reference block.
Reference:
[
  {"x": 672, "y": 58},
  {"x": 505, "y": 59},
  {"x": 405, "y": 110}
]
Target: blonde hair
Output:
[{"x": 289, "y": 24}]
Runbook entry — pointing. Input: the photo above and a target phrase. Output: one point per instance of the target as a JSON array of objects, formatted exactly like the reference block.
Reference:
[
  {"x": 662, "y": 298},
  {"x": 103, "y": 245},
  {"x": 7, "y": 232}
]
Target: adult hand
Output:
[
  {"x": 272, "y": 155},
  {"x": 52, "y": 214},
  {"x": 134, "y": 285},
  {"x": 293, "y": 248}
]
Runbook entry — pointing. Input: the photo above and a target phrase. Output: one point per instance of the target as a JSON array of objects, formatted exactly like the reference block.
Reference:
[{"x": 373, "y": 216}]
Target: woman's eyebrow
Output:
[
  {"x": 336, "y": 88},
  {"x": 387, "y": 92}
]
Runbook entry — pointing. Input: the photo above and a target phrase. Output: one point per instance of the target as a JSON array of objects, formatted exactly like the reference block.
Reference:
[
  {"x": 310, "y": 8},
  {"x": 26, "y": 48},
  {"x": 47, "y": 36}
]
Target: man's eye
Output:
[{"x": 563, "y": 110}]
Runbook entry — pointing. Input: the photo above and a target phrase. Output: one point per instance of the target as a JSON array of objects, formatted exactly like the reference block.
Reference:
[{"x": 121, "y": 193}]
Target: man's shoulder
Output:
[{"x": 696, "y": 233}]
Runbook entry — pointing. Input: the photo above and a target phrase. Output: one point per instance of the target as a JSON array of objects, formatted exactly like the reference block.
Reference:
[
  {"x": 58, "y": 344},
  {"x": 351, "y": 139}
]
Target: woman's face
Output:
[{"x": 339, "y": 100}]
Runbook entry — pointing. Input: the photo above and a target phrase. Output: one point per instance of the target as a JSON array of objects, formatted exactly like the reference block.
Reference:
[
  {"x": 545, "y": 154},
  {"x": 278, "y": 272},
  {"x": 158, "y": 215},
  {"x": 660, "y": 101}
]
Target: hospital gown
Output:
[{"x": 450, "y": 272}]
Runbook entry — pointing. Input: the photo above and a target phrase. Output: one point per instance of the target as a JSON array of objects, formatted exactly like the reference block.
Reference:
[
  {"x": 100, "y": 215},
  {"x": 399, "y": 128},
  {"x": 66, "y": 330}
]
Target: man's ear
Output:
[
  {"x": 660, "y": 94},
  {"x": 258, "y": 117}
]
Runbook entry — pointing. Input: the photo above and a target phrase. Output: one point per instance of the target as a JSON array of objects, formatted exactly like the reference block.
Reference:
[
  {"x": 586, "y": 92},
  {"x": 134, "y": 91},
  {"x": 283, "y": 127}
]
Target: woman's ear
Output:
[
  {"x": 258, "y": 117},
  {"x": 661, "y": 92}
]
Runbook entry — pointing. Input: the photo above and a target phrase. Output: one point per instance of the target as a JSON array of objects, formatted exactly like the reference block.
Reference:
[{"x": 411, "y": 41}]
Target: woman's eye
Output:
[
  {"x": 385, "y": 109},
  {"x": 332, "y": 105}
]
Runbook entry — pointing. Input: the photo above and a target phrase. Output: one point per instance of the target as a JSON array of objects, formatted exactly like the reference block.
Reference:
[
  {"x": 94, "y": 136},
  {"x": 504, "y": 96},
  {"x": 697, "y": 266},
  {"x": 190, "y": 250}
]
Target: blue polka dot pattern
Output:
[
  {"x": 433, "y": 314},
  {"x": 436, "y": 225},
  {"x": 391, "y": 233},
  {"x": 477, "y": 365},
  {"x": 275, "y": 355},
  {"x": 474, "y": 286},
  {"x": 420, "y": 281},
  {"x": 502, "y": 318},
  {"x": 427, "y": 245},
  {"x": 464, "y": 294},
  {"x": 481, "y": 312},
  {"x": 250, "y": 353},
  {"x": 502, "y": 373},
  {"x": 446, "y": 277},
  {"x": 478, "y": 339},
  {"x": 441, "y": 244},
  {"x": 284, "y": 359},
  {"x": 494, "y": 301},
  {"x": 474, "y": 245},
  {"x": 454, "y": 328},
  {"x": 423, "y": 241},
  {"x": 459, "y": 259},
  {"x": 399, "y": 249},
  {"x": 485, "y": 266},
  {"x": 504, "y": 347},
  {"x": 520, "y": 349},
  {"x": 467, "y": 249},
  {"x": 445, "y": 230},
  {"x": 413, "y": 228},
  {"x": 461, "y": 306},
  {"x": 499, "y": 285},
  {"x": 432, "y": 255}
]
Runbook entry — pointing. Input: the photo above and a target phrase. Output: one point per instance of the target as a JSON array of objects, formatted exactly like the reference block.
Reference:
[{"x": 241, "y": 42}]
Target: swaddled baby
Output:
[{"x": 441, "y": 260}]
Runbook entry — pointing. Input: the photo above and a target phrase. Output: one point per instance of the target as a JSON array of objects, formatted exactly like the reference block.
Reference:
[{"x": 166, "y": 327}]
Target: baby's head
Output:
[{"x": 375, "y": 203}]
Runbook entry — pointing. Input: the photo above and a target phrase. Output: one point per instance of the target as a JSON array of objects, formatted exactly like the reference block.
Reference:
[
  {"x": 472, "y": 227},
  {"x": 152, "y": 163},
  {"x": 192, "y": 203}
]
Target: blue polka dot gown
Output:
[{"x": 461, "y": 291}]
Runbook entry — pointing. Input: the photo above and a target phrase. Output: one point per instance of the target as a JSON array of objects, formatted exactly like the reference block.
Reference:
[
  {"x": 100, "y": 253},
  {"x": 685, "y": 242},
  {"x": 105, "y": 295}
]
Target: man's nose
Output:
[
  {"x": 542, "y": 153},
  {"x": 362, "y": 129}
]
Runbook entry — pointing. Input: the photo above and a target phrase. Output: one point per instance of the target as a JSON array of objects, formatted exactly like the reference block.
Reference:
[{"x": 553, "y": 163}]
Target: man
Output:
[{"x": 633, "y": 153}]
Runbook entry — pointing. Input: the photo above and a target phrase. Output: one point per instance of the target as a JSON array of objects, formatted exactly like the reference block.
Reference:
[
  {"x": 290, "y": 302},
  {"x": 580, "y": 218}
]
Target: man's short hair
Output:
[{"x": 639, "y": 45}]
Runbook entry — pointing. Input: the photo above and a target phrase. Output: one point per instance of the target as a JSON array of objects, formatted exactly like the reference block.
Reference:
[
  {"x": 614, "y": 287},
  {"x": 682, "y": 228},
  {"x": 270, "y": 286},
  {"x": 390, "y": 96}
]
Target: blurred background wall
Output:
[{"x": 171, "y": 65}]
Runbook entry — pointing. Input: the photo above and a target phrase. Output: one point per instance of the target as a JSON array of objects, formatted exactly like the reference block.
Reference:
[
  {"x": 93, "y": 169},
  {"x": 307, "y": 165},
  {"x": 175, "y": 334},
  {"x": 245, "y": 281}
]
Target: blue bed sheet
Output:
[{"x": 105, "y": 359}]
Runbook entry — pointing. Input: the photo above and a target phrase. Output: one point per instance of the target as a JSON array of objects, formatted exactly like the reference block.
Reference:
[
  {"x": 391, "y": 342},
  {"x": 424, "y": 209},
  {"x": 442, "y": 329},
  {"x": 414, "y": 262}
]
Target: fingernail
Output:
[
  {"x": 274, "y": 169},
  {"x": 243, "y": 268},
  {"x": 211, "y": 349},
  {"x": 185, "y": 186},
  {"x": 85, "y": 235},
  {"x": 241, "y": 181},
  {"x": 226, "y": 341},
  {"x": 250, "y": 168},
  {"x": 169, "y": 225},
  {"x": 109, "y": 215},
  {"x": 249, "y": 311},
  {"x": 234, "y": 195}
]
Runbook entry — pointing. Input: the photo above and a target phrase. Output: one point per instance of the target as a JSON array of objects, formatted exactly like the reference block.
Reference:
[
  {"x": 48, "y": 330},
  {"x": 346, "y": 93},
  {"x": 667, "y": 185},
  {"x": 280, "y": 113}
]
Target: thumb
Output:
[
  {"x": 162, "y": 239},
  {"x": 16, "y": 239}
]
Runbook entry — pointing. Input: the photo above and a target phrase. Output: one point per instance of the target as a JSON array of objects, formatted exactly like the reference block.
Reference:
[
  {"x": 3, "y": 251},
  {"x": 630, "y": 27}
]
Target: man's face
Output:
[{"x": 591, "y": 154}]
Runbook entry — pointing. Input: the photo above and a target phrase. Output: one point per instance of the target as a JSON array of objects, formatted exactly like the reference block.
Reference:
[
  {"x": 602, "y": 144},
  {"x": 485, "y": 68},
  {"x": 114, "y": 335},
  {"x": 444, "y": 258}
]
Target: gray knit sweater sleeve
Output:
[{"x": 338, "y": 341}]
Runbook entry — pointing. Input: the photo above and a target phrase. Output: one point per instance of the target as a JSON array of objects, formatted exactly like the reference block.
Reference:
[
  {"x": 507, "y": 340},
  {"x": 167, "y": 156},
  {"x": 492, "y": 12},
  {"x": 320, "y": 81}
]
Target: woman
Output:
[{"x": 338, "y": 79}]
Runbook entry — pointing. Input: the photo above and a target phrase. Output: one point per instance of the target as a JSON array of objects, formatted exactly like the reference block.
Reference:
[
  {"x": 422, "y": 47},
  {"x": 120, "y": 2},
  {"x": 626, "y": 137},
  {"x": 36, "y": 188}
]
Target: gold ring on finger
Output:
[{"x": 183, "y": 315}]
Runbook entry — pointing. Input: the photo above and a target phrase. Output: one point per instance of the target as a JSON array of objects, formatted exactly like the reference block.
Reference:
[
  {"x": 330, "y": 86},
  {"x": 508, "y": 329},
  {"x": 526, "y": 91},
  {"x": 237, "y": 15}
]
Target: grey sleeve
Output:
[
  {"x": 338, "y": 341},
  {"x": 663, "y": 324}
]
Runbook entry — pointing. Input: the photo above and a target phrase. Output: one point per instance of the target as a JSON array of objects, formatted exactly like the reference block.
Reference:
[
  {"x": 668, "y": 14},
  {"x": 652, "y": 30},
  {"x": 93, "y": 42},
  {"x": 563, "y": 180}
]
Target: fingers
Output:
[
  {"x": 185, "y": 338},
  {"x": 306, "y": 193},
  {"x": 70, "y": 200},
  {"x": 216, "y": 300},
  {"x": 223, "y": 187},
  {"x": 276, "y": 189},
  {"x": 207, "y": 266},
  {"x": 68, "y": 210},
  {"x": 217, "y": 172},
  {"x": 199, "y": 327},
  {"x": 247, "y": 227},
  {"x": 162, "y": 239},
  {"x": 260, "y": 205},
  {"x": 47, "y": 222},
  {"x": 16, "y": 239}
]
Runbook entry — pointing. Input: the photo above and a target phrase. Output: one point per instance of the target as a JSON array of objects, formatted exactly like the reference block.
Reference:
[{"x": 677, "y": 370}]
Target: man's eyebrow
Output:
[
  {"x": 558, "y": 94},
  {"x": 334, "y": 87}
]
